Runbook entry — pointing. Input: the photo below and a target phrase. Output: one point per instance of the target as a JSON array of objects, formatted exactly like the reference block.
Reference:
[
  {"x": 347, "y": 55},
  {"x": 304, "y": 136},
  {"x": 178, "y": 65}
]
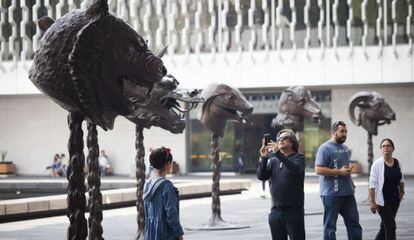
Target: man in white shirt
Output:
[{"x": 103, "y": 163}]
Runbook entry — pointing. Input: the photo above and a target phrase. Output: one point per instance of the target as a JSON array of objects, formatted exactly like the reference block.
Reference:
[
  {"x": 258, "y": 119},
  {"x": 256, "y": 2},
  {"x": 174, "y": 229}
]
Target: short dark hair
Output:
[
  {"x": 159, "y": 157},
  {"x": 336, "y": 125},
  {"x": 389, "y": 140}
]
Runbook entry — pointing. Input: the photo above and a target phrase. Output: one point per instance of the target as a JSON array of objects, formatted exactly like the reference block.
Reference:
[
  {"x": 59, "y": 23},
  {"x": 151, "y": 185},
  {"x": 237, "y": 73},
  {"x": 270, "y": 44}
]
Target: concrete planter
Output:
[
  {"x": 175, "y": 168},
  {"x": 356, "y": 167},
  {"x": 7, "y": 168}
]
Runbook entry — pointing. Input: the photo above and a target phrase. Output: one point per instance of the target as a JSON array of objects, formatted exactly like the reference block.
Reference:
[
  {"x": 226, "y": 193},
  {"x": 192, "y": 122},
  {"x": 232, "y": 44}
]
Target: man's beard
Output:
[{"x": 340, "y": 140}]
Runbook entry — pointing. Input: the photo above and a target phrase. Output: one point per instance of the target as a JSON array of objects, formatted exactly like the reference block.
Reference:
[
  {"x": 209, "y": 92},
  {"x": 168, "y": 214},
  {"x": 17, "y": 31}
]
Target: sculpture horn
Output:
[
  {"x": 45, "y": 22},
  {"x": 356, "y": 100}
]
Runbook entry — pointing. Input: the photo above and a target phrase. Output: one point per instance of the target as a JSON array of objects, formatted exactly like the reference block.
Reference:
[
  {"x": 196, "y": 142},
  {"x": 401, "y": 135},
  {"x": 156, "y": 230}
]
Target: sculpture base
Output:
[{"x": 218, "y": 225}]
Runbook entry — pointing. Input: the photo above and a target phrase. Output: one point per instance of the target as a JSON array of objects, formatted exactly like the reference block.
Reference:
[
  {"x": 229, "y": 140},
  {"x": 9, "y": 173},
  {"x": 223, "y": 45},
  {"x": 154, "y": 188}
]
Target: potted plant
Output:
[{"x": 6, "y": 167}]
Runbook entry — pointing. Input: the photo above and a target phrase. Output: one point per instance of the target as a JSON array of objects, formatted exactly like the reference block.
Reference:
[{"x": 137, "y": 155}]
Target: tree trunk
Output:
[
  {"x": 215, "y": 191},
  {"x": 94, "y": 184},
  {"x": 76, "y": 187},
  {"x": 140, "y": 175}
]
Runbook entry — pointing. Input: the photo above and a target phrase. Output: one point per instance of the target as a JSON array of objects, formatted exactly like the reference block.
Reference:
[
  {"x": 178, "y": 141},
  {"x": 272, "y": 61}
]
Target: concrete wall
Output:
[
  {"x": 401, "y": 131},
  {"x": 264, "y": 69},
  {"x": 34, "y": 128}
]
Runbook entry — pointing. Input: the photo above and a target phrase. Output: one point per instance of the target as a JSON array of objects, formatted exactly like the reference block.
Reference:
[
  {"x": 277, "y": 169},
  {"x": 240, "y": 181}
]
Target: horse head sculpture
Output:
[
  {"x": 223, "y": 103},
  {"x": 295, "y": 104},
  {"x": 84, "y": 60},
  {"x": 373, "y": 111}
]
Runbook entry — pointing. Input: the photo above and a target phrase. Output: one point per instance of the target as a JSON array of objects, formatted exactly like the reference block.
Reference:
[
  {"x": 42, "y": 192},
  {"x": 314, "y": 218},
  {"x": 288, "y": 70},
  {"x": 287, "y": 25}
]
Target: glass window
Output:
[{"x": 239, "y": 147}]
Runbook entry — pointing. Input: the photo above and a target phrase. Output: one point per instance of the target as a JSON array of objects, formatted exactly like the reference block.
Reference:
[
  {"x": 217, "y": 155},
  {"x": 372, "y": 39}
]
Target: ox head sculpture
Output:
[
  {"x": 84, "y": 60},
  {"x": 223, "y": 103},
  {"x": 373, "y": 111},
  {"x": 295, "y": 104},
  {"x": 161, "y": 106}
]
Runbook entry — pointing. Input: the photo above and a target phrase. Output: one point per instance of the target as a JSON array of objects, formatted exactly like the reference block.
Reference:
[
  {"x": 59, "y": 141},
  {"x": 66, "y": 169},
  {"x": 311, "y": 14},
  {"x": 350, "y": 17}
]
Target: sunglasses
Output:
[
  {"x": 338, "y": 123},
  {"x": 283, "y": 138}
]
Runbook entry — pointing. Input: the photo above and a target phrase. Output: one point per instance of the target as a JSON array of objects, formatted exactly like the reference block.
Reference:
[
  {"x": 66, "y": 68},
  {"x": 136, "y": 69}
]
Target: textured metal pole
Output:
[
  {"x": 76, "y": 187},
  {"x": 140, "y": 175},
  {"x": 94, "y": 185},
  {"x": 215, "y": 191},
  {"x": 370, "y": 152},
  {"x": 370, "y": 158}
]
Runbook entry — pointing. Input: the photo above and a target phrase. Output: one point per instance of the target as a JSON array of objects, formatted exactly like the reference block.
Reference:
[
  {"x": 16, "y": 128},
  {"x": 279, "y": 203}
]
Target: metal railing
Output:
[{"x": 223, "y": 26}]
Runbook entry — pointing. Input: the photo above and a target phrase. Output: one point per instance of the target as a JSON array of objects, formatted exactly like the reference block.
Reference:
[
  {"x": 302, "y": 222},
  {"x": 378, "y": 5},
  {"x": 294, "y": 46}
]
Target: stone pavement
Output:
[{"x": 248, "y": 208}]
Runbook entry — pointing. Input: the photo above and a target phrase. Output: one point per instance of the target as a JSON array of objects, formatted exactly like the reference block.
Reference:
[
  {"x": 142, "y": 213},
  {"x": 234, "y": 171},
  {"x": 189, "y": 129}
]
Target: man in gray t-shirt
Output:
[
  {"x": 335, "y": 156},
  {"x": 336, "y": 185}
]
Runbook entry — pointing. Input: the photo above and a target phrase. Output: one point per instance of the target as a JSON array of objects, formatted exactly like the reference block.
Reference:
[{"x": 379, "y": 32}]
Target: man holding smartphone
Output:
[
  {"x": 282, "y": 164},
  {"x": 336, "y": 185}
]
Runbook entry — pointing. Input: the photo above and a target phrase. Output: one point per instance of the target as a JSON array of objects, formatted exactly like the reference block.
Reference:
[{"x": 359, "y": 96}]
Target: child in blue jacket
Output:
[{"x": 162, "y": 220}]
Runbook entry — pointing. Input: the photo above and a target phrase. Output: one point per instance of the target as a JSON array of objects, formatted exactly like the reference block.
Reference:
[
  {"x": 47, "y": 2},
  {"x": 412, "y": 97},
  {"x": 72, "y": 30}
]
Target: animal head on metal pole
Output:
[
  {"x": 295, "y": 104},
  {"x": 373, "y": 111},
  {"x": 223, "y": 103},
  {"x": 164, "y": 106}
]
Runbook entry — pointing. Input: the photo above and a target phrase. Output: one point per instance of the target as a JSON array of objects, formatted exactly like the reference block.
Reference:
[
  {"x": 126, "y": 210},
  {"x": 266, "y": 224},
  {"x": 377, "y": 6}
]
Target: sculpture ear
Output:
[
  {"x": 98, "y": 7},
  {"x": 45, "y": 23},
  {"x": 289, "y": 92},
  {"x": 162, "y": 52},
  {"x": 84, "y": 63},
  {"x": 376, "y": 104},
  {"x": 359, "y": 120}
]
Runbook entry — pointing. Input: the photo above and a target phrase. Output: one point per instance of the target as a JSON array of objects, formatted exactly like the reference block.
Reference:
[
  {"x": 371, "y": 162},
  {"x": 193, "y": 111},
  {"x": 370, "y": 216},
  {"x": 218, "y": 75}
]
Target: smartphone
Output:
[{"x": 266, "y": 137}]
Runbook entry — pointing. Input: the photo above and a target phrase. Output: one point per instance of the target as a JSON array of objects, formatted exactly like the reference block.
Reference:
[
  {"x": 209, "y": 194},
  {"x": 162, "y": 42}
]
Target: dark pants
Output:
[
  {"x": 347, "y": 207},
  {"x": 287, "y": 221},
  {"x": 388, "y": 226}
]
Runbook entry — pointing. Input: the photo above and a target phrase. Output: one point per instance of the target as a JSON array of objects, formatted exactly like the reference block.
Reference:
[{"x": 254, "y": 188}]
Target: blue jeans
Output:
[
  {"x": 347, "y": 207},
  {"x": 288, "y": 221}
]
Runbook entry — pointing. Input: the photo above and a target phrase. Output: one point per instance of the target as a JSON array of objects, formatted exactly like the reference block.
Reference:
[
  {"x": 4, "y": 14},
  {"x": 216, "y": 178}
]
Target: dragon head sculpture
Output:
[
  {"x": 162, "y": 107},
  {"x": 373, "y": 111},
  {"x": 84, "y": 60},
  {"x": 223, "y": 103},
  {"x": 295, "y": 104}
]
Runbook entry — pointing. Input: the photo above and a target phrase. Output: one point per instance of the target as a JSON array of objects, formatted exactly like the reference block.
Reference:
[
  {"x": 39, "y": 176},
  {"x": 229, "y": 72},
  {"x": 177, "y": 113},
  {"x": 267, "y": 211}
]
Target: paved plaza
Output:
[{"x": 248, "y": 208}]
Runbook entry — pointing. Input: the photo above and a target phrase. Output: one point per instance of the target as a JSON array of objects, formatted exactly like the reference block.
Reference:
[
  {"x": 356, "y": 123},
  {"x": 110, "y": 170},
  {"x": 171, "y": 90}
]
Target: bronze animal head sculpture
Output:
[
  {"x": 84, "y": 59},
  {"x": 223, "y": 103},
  {"x": 295, "y": 104},
  {"x": 161, "y": 107},
  {"x": 373, "y": 111}
]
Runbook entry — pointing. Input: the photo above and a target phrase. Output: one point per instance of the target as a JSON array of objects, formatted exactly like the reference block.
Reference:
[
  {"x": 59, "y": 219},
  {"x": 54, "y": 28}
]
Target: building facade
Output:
[{"x": 335, "y": 48}]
